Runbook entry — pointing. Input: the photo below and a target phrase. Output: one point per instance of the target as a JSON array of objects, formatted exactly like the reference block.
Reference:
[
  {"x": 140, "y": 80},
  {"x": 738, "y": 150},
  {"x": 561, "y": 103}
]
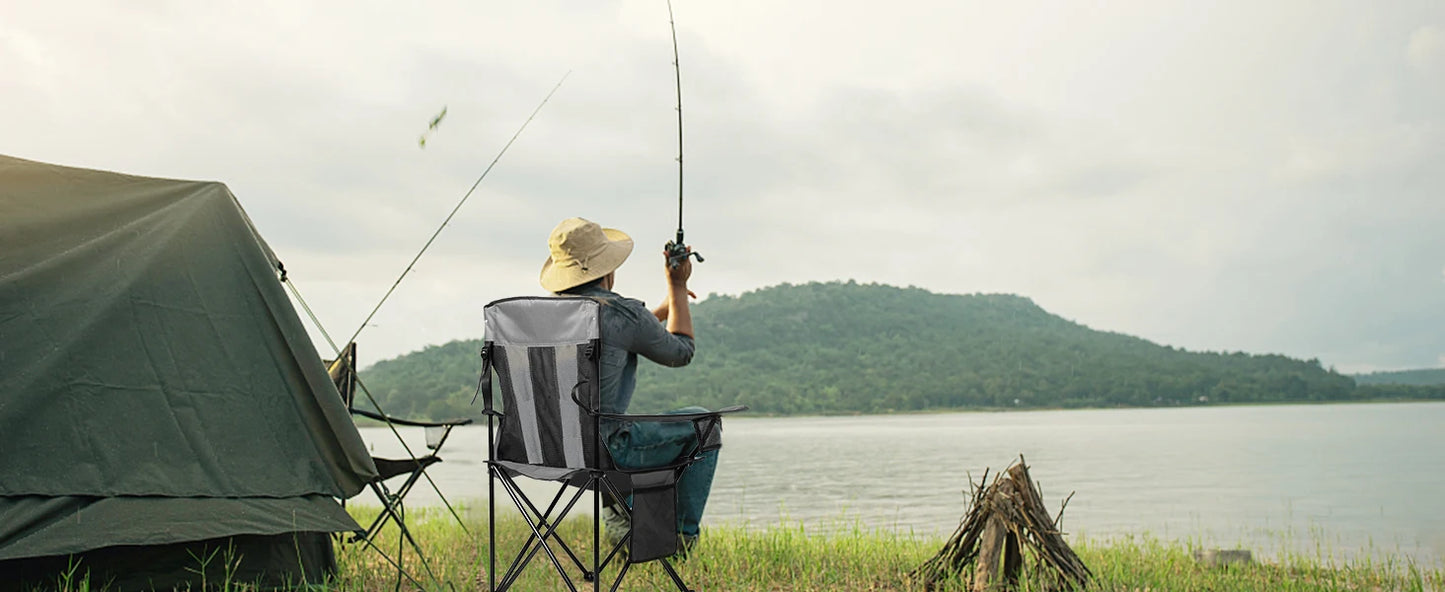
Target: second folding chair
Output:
[{"x": 413, "y": 468}]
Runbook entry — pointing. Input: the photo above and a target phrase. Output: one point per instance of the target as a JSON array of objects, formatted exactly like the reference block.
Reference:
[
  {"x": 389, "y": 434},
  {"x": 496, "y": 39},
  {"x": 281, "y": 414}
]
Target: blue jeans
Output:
[{"x": 643, "y": 444}]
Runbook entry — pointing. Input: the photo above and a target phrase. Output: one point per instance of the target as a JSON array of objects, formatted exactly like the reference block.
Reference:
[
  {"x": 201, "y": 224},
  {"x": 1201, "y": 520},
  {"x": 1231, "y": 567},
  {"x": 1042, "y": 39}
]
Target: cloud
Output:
[
  {"x": 1220, "y": 177},
  {"x": 1426, "y": 50}
]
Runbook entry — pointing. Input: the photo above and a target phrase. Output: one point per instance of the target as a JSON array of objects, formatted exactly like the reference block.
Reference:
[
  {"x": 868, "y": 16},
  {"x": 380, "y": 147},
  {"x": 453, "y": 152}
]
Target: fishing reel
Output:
[{"x": 677, "y": 252}]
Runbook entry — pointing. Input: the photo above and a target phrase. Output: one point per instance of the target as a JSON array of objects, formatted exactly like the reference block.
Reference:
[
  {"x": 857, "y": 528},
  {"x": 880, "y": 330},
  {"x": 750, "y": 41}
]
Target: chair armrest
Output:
[
  {"x": 674, "y": 416},
  {"x": 413, "y": 423}
]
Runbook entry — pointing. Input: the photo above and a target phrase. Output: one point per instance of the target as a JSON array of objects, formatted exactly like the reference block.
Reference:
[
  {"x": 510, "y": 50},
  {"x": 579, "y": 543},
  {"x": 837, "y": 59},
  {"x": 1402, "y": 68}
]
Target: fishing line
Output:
[
  {"x": 459, "y": 207},
  {"x": 325, "y": 334}
]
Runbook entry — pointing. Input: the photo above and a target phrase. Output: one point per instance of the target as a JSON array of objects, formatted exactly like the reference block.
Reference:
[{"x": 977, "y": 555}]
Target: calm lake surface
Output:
[{"x": 1339, "y": 480}]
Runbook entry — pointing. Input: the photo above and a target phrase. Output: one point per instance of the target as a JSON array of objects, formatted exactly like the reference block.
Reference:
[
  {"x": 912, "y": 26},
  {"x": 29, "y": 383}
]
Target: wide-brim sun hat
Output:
[{"x": 582, "y": 251}]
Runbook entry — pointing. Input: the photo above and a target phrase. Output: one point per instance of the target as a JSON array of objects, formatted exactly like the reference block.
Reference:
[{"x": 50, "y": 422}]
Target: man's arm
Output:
[
  {"x": 669, "y": 341},
  {"x": 674, "y": 309},
  {"x": 662, "y": 311}
]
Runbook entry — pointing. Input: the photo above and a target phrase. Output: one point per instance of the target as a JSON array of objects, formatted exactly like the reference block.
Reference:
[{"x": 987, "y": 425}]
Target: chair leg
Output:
[
  {"x": 627, "y": 512},
  {"x": 388, "y": 498},
  {"x": 399, "y": 569},
  {"x": 406, "y": 534},
  {"x": 384, "y": 496},
  {"x": 672, "y": 573},
  {"x": 528, "y": 551},
  {"x": 491, "y": 526},
  {"x": 553, "y": 506},
  {"x": 389, "y": 512},
  {"x": 622, "y": 573},
  {"x": 415, "y": 478},
  {"x": 595, "y": 576},
  {"x": 542, "y": 528},
  {"x": 616, "y": 549}
]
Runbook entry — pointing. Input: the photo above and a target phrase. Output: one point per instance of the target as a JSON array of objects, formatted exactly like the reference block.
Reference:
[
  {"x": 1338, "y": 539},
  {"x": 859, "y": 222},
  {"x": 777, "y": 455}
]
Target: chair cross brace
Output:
[{"x": 537, "y": 521}]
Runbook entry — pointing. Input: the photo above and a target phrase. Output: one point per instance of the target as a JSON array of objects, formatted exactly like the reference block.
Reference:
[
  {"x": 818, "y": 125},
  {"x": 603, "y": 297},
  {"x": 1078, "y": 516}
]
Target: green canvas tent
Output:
[{"x": 160, "y": 401}]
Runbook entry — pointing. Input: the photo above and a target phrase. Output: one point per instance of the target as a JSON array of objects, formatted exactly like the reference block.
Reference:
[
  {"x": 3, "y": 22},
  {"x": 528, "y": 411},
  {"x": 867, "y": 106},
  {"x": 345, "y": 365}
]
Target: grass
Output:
[
  {"x": 1144, "y": 563},
  {"x": 792, "y": 557},
  {"x": 727, "y": 558}
]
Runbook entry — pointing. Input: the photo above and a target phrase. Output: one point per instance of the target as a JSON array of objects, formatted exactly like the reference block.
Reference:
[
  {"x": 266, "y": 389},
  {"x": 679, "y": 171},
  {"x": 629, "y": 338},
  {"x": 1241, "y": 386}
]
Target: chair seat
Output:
[
  {"x": 541, "y": 473},
  {"x": 389, "y": 468}
]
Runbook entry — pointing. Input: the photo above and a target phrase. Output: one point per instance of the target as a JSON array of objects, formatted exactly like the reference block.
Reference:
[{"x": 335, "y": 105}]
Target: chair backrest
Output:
[
  {"x": 343, "y": 373},
  {"x": 545, "y": 352}
]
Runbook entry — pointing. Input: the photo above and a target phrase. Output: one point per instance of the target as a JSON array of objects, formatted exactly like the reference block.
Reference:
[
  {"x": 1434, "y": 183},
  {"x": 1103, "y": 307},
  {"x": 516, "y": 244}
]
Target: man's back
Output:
[{"x": 630, "y": 330}]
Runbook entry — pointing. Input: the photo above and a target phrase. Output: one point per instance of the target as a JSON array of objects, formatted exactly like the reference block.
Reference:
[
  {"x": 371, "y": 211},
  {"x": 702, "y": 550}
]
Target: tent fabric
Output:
[
  {"x": 43, "y": 526},
  {"x": 287, "y": 561},
  {"x": 150, "y": 357}
]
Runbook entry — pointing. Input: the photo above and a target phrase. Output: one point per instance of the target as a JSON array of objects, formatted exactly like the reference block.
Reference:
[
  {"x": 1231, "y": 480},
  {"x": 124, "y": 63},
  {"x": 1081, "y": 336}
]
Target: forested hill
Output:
[{"x": 846, "y": 347}]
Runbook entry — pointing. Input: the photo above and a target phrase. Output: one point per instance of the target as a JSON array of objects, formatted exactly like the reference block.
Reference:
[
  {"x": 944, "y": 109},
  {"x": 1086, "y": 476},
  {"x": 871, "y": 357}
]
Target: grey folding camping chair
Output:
[
  {"x": 343, "y": 373},
  {"x": 545, "y": 353}
]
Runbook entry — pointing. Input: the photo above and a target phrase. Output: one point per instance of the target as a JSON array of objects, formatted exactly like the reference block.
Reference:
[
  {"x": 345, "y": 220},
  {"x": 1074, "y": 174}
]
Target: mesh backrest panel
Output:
[
  {"x": 542, "y": 321},
  {"x": 544, "y": 350}
]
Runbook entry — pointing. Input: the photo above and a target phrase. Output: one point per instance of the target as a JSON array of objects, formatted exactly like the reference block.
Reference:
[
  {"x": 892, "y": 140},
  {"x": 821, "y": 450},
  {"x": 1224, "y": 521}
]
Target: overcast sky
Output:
[{"x": 1266, "y": 177}]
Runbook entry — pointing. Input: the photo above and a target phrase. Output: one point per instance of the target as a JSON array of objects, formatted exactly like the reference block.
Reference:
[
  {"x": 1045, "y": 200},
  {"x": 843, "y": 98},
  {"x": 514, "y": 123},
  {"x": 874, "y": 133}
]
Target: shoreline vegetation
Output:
[{"x": 790, "y": 557}]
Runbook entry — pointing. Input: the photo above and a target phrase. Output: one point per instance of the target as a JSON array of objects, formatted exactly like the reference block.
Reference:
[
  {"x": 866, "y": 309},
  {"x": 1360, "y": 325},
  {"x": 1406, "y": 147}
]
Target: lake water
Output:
[{"x": 1343, "y": 480}]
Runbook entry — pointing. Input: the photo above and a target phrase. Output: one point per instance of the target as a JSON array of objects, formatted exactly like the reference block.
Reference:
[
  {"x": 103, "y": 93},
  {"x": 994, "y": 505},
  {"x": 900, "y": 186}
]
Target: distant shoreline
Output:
[{"x": 1119, "y": 408}]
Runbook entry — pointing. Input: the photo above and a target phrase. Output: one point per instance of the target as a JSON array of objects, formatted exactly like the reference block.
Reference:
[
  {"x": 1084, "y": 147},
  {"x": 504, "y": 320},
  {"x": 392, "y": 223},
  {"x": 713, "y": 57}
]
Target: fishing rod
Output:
[{"x": 677, "y": 250}]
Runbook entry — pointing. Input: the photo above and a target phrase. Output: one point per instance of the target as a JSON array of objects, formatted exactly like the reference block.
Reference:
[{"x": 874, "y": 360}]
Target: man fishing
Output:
[{"x": 583, "y": 262}]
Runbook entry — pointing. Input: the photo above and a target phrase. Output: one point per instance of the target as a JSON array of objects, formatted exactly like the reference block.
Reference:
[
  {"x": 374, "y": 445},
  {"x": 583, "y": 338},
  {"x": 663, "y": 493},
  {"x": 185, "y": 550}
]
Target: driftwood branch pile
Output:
[{"x": 988, "y": 548}]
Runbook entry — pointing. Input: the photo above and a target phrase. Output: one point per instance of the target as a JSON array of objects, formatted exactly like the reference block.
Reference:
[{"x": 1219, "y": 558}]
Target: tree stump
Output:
[{"x": 987, "y": 550}]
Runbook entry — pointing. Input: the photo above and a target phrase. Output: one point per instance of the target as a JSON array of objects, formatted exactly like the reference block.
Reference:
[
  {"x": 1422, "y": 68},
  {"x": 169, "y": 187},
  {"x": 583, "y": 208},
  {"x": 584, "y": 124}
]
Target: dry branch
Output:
[{"x": 1003, "y": 517}]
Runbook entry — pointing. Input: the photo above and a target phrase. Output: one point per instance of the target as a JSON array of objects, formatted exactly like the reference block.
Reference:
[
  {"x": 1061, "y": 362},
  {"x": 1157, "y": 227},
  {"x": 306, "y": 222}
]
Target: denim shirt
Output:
[{"x": 629, "y": 330}]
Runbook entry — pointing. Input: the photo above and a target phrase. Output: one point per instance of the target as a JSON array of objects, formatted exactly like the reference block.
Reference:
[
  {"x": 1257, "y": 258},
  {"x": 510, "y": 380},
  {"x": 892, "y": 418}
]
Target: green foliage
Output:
[
  {"x": 1424, "y": 377},
  {"x": 1400, "y": 392},
  {"x": 437, "y": 382},
  {"x": 854, "y": 348},
  {"x": 844, "y": 347}
]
